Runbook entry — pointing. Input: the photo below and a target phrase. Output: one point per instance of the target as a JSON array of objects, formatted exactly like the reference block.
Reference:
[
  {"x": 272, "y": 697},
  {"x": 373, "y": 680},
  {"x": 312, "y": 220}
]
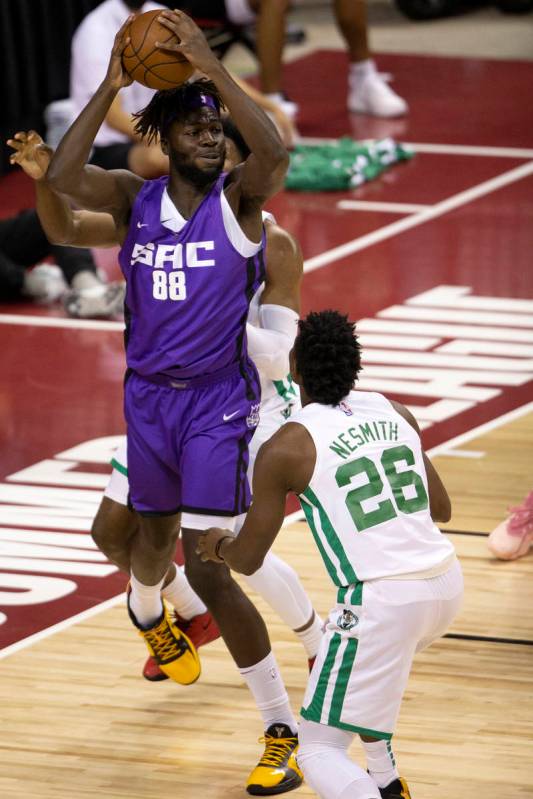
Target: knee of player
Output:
[{"x": 208, "y": 580}]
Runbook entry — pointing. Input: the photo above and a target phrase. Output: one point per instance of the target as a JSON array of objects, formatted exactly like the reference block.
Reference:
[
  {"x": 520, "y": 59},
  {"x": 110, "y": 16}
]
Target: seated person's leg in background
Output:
[
  {"x": 145, "y": 160},
  {"x": 22, "y": 245},
  {"x": 368, "y": 92}
]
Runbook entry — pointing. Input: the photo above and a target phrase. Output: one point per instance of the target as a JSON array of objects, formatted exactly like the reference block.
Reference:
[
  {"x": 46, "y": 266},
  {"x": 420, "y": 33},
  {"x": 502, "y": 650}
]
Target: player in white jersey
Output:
[{"x": 371, "y": 498}]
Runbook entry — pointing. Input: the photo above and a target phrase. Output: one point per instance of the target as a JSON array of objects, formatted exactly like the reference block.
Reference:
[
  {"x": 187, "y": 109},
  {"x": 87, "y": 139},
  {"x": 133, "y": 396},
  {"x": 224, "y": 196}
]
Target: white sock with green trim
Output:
[{"x": 380, "y": 762}]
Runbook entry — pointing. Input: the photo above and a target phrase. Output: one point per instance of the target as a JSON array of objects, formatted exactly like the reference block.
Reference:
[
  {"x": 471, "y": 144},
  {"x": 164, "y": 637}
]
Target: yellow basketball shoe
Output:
[
  {"x": 277, "y": 771},
  {"x": 173, "y": 652},
  {"x": 396, "y": 790}
]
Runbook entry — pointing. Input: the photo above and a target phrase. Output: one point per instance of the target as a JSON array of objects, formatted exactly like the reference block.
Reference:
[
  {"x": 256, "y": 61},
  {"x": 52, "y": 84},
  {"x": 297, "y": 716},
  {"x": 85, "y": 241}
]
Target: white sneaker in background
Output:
[
  {"x": 287, "y": 106},
  {"x": 106, "y": 300},
  {"x": 369, "y": 93},
  {"x": 44, "y": 283}
]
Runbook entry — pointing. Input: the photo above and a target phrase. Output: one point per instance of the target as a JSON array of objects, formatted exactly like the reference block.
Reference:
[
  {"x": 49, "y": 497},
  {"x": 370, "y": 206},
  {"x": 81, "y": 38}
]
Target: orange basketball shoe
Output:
[
  {"x": 513, "y": 537},
  {"x": 200, "y": 630},
  {"x": 173, "y": 652}
]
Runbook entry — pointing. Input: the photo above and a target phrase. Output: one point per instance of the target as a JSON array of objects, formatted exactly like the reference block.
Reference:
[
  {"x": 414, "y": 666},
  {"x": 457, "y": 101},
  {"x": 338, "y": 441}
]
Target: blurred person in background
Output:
[
  {"x": 23, "y": 245},
  {"x": 117, "y": 146},
  {"x": 368, "y": 91}
]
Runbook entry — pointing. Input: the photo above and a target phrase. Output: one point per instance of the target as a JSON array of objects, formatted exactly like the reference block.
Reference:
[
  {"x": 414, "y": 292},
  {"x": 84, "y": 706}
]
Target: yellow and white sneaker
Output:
[
  {"x": 173, "y": 652},
  {"x": 277, "y": 771}
]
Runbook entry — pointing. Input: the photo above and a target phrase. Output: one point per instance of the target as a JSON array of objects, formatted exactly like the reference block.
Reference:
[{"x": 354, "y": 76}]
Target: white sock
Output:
[
  {"x": 327, "y": 767},
  {"x": 280, "y": 586},
  {"x": 181, "y": 596},
  {"x": 265, "y": 683},
  {"x": 380, "y": 762},
  {"x": 145, "y": 602},
  {"x": 362, "y": 69},
  {"x": 311, "y": 638}
]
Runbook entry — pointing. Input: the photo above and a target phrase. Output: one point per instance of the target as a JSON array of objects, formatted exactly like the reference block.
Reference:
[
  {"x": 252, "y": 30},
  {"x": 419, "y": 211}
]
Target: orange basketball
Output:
[{"x": 145, "y": 63}]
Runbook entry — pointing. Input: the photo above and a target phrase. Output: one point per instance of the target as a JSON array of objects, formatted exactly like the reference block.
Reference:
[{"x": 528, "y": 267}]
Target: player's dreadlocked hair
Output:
[
  {"x": 167, "y": 105},
  {"x": 328, "y": 356}
]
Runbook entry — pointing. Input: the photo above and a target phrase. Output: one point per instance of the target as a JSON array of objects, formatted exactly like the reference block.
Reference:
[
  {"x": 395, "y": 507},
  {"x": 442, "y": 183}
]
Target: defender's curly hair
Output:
[
  {"x": 168, "y": 105},
  {"x": 328, "y": 356}
]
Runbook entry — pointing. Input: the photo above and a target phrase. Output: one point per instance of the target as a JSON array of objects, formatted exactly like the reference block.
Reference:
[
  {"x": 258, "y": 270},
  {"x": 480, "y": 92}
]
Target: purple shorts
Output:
[{"x": 188, "y": 441}]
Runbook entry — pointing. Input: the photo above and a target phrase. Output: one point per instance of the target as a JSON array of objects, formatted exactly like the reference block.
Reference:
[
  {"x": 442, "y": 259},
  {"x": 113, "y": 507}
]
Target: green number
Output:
[
  {"x": 385, "y": 510},
  {"x": 400, "y": 480}
]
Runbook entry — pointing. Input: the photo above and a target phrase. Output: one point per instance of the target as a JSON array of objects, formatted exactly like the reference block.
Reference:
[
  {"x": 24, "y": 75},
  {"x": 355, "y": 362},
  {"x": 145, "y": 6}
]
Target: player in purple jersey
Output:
[{"x": 192, "y": 258}]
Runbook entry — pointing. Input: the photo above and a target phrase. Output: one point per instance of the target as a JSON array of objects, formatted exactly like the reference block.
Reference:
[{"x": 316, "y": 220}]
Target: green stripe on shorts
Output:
[
  {"x": 313, "y": 711},
  {"x": 343, "y": 679},
  {"x": 119, "y": 467}
]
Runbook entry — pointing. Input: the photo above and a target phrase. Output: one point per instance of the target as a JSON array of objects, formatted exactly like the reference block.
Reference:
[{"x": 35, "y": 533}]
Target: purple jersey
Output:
[{"x": 188, "y": 292}]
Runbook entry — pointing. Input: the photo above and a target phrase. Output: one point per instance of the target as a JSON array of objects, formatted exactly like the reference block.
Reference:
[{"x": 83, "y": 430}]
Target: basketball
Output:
[{"x": 146, "y": 63}]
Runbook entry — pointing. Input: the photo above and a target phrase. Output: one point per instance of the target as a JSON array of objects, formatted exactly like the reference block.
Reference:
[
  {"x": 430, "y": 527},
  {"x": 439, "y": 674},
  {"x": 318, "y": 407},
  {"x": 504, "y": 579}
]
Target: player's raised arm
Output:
[
  {"x": 263, "y": 172},
  {"x": 61, "y": 224},
  {"x": 89, "y": 186}
]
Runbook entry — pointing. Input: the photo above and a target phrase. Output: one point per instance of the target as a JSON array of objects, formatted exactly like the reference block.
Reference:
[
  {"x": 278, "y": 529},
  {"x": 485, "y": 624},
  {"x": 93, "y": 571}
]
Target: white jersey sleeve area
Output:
[
  {"x": 367, "y": 502},
  {"x": 270, "y": 344}
]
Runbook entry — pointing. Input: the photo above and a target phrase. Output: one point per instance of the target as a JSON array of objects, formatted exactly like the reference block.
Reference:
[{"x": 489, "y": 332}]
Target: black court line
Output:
[
  {"x": 488, "y": 639},
  {"x": 464, "y": 532}
]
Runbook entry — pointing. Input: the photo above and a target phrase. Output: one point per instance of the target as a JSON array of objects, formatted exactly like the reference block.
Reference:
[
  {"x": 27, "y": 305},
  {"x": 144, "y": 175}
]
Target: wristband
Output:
[{"x": 218, "y": 544}]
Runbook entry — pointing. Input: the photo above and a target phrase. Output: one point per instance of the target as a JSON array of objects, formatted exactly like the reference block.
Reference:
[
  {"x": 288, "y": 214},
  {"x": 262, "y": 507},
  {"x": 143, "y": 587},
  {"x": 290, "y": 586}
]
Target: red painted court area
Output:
[{"x": 433, "y": 259}]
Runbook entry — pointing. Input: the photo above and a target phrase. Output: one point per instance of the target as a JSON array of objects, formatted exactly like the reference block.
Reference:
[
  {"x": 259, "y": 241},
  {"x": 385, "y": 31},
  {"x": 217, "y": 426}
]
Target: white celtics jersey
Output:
[{"x": 367, "y": 502}]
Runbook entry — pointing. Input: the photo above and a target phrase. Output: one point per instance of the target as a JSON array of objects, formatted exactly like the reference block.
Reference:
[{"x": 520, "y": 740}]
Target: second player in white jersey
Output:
[
  {"x": 370, "y": 496},
  {"x": 367, "y": 502}
]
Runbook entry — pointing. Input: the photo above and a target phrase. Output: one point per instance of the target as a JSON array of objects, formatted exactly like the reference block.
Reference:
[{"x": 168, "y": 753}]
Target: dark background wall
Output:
[{"x": 35, "y": 40}]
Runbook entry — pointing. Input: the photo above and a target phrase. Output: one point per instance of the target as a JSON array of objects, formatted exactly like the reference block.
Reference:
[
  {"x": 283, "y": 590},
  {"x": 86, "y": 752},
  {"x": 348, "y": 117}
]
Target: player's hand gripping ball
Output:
[{"x": 146, "y": 63}]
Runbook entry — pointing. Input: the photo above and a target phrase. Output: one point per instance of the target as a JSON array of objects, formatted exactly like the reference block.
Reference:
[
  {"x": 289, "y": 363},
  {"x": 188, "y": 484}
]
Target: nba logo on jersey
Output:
[{"x": 345, "y": 409}]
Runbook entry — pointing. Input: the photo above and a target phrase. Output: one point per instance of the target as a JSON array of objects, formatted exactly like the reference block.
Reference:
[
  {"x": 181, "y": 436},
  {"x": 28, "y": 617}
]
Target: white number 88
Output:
[{"x": 169, "y": 285}]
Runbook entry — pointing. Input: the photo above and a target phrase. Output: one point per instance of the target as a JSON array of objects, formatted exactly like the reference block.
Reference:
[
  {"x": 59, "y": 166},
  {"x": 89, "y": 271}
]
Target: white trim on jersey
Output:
[
  {"x": 170, "y": 216},
  {"x": 234, "y": 232}
]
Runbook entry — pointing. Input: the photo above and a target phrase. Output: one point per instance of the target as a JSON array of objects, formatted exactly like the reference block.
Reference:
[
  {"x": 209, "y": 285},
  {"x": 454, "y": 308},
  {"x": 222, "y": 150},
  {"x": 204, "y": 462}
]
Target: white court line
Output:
[
  {"x": 318, "y": 261},
  {"x": 394, "y": 208},
  {"x": 441, "y": 449},
  {"x": 414, "y": 220},
  {"x": 55, "y": 321},
  {"x": 463, "y": 453},
  {"x": 441, "y": 149},
  {"x": 511, "y": 416}
]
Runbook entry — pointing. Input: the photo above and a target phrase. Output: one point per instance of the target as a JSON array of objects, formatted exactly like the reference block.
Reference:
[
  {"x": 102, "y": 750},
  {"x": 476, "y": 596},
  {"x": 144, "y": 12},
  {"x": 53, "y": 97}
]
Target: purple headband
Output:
[{"x": 196, "y": 100}]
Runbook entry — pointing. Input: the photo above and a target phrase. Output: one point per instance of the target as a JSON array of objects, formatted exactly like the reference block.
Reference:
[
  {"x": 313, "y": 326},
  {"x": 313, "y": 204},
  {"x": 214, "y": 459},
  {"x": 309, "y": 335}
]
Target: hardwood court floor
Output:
[{"x": 78, "y": 720}]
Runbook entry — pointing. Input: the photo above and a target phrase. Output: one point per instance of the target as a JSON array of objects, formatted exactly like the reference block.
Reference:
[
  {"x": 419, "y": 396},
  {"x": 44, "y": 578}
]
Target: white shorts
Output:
[
  {"x": 371, "y": 637},
  {"x": 118, "y": 490}
]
